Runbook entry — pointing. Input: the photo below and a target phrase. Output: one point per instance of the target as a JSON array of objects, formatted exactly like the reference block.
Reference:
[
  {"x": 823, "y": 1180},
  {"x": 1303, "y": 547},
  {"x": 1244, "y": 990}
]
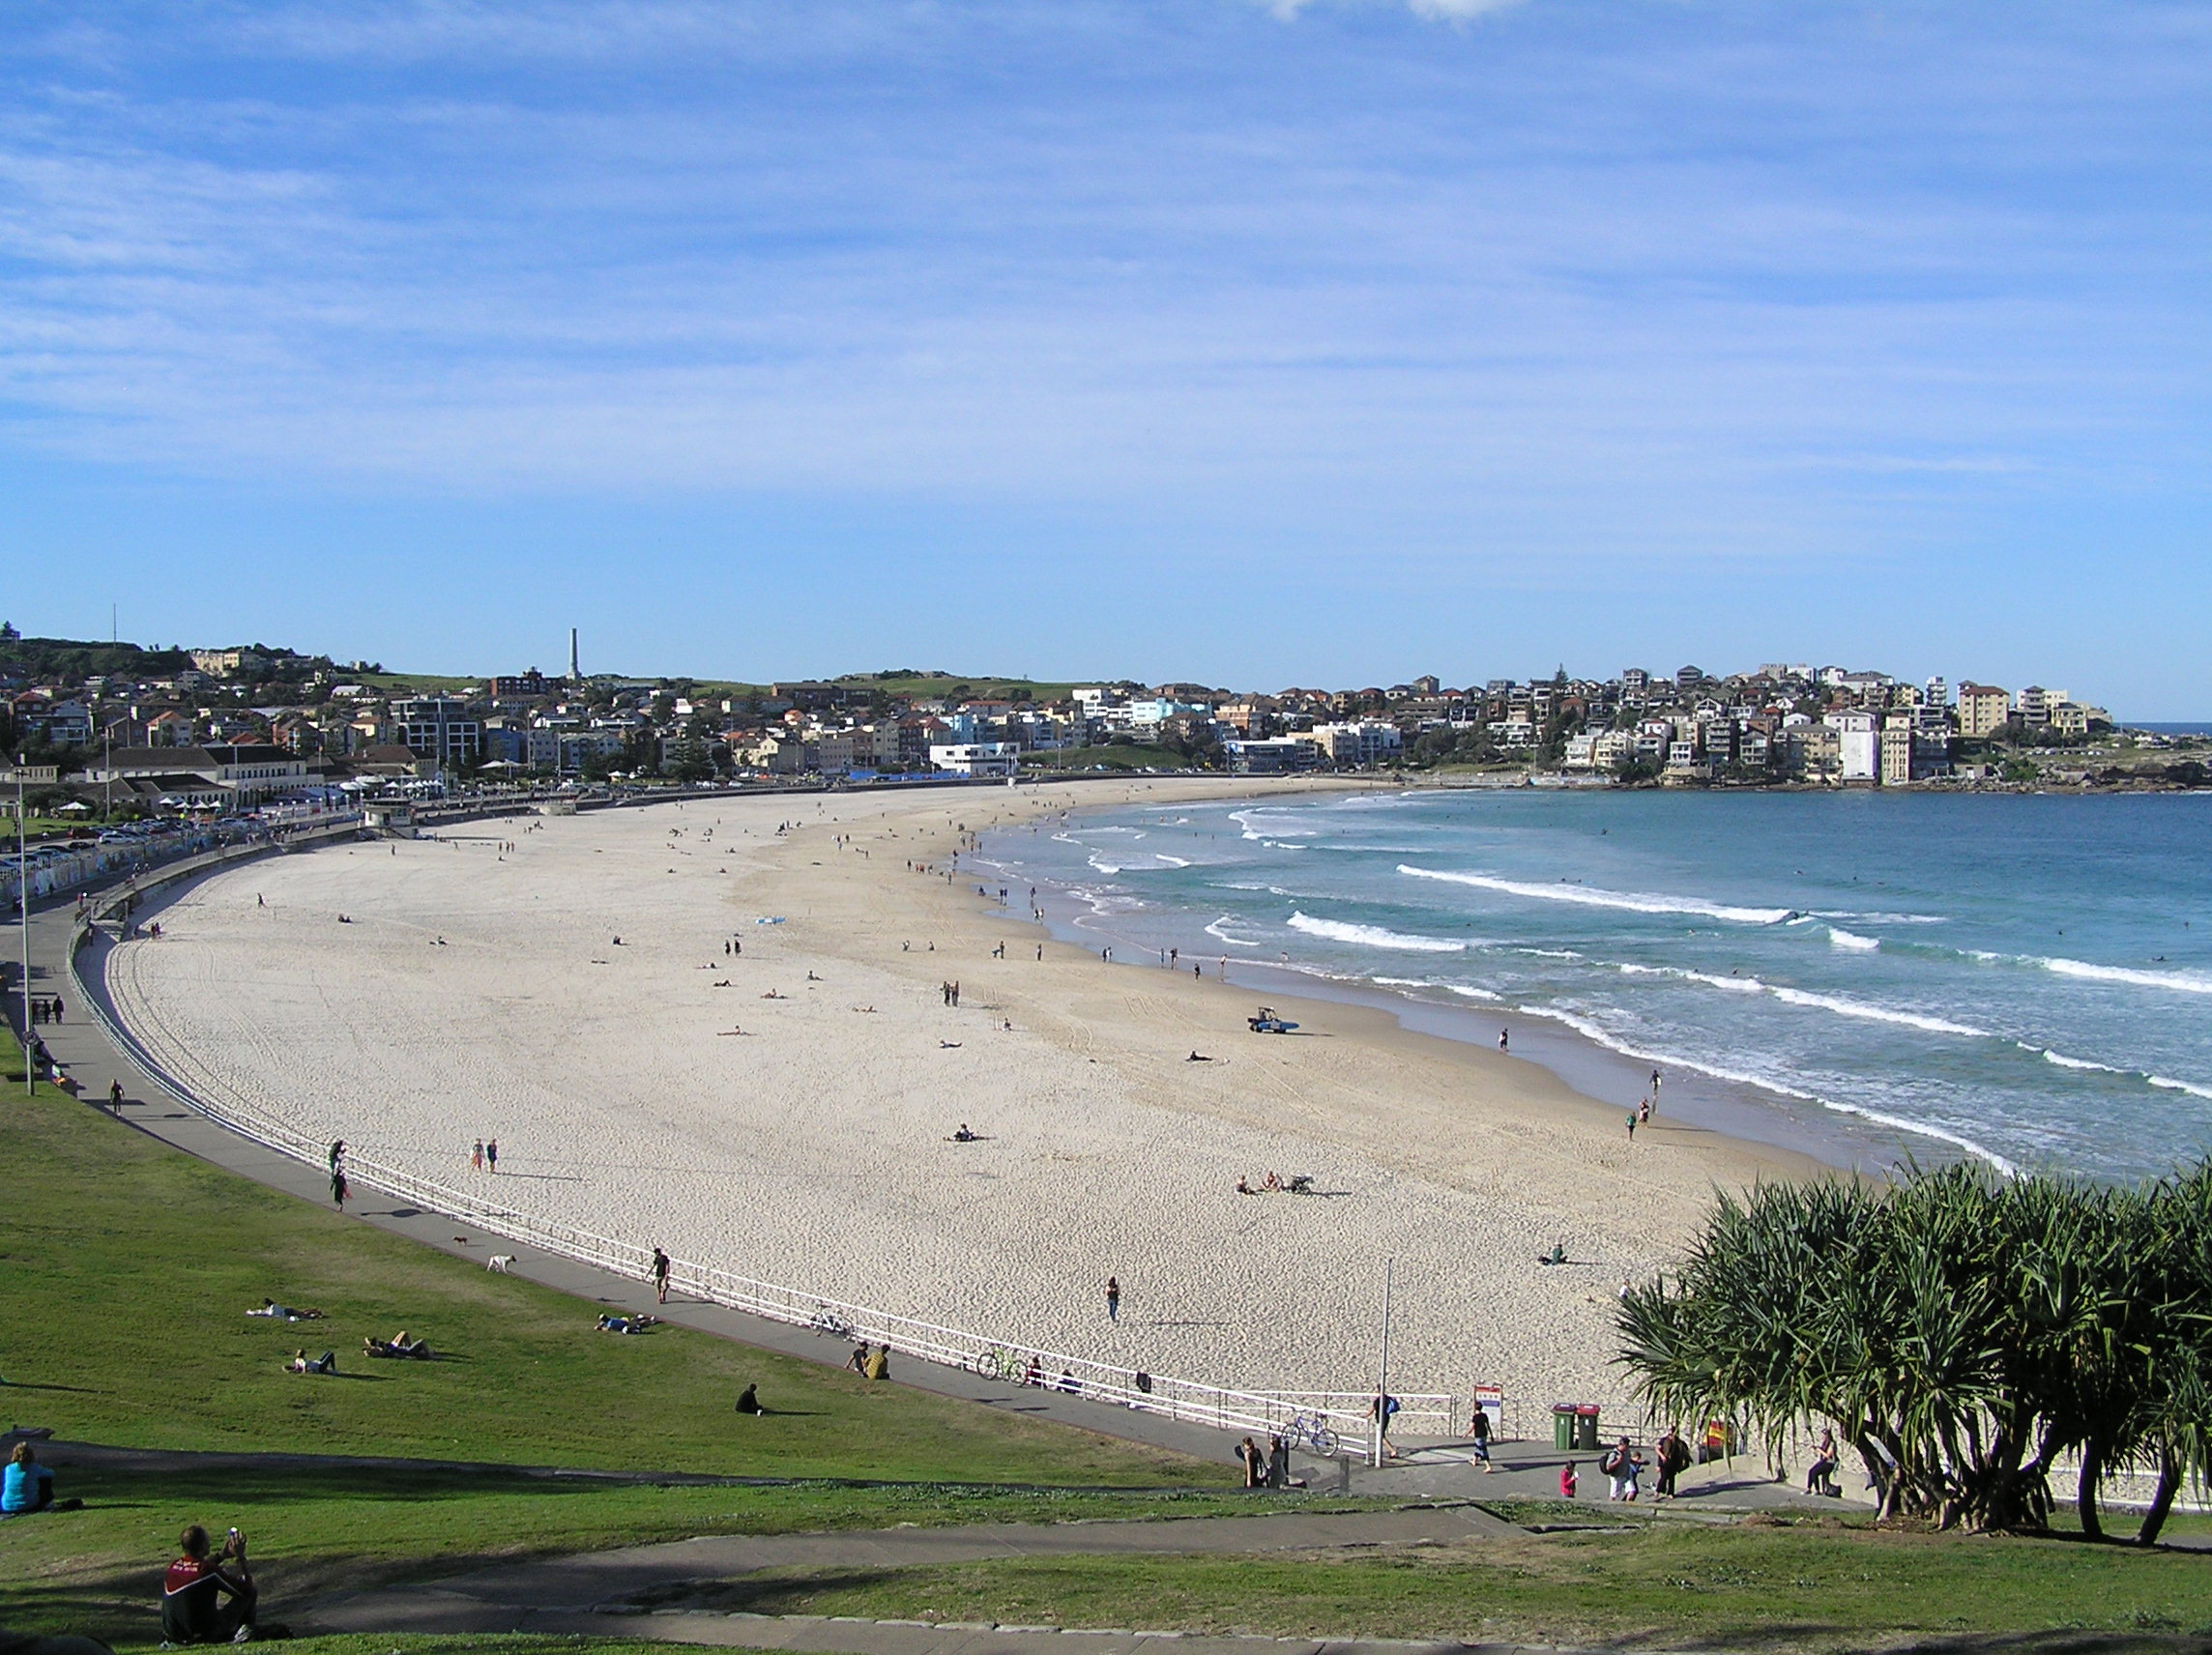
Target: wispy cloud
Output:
[{"x": 1600, "y": 287}]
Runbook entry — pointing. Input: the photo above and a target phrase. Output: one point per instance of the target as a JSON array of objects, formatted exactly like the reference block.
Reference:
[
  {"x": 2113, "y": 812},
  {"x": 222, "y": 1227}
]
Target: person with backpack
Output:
[
  {"x": 1673, "y": 1461},
  {"x": 1622, "y": 1466}
]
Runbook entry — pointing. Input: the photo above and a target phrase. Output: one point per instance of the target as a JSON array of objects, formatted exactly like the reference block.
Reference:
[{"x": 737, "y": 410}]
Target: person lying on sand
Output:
[
  {"x": 1243, "y": 1187},
  {"x": 1198, "y": 1057},
  {"x": 964, "y": 1136},
  {"x": 948, "y": 1045}
]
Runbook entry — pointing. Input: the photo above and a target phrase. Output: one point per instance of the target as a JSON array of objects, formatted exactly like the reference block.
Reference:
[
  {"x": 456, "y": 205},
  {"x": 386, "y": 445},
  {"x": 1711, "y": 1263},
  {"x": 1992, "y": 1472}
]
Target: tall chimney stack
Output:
[{"x": 575, "y": 676}]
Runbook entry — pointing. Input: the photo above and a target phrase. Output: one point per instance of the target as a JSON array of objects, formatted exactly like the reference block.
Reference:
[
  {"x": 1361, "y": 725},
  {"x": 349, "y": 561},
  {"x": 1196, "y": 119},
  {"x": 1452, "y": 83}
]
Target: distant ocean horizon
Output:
[
  {"x": 1867, "y": 976},
  {"x": 2186, "y": 727}
]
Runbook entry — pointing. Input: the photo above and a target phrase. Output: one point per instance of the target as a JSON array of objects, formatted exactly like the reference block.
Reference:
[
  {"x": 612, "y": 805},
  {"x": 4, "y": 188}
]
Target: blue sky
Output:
[{"x": 1256, "y": 344}]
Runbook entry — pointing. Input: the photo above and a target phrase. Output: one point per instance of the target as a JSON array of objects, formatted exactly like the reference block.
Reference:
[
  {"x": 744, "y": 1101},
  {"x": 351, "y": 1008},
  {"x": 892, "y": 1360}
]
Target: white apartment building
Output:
[
  {"x": 1858, "y": 740},
  {"x": 975, "y": 757}
]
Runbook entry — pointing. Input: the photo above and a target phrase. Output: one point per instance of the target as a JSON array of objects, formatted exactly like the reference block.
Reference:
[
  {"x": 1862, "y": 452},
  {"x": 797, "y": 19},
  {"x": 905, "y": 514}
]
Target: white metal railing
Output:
[
  {"x": 1323, "y": 1423},
  {"x": 1419, "y": 1413}
]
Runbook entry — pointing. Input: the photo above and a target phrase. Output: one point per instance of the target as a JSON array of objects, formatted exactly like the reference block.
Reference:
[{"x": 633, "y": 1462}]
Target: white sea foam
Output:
[
  {"x": 2164, "y": 1082},
  {"x": 1275, "y": 831},
  {"x": 1167, "y": 861},
  {"x": 1859, "y": 1008},
  {"x": 1593, "y": 896},
  {"x": 1877, "y": 917},
  {"x": 1214, "y": 930},
  {"x": 1372, "y": 936},
  {"x": 1835, "y": 1002},
  {"x": 2179, "y": 982},
  {"x": 2065, "y": 1062},
  {"x": 1921, "y": 1128},
  {"x": 1472, "y": 992},
  {"x": 1597, "y": 1031},
  {"x": 1850, "y": 941},
  {"x": 1733, "y": 985}
]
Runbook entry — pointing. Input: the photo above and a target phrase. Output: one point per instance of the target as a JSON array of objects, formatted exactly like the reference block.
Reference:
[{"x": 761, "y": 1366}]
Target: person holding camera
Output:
[{"x": 208, "y": 1600}]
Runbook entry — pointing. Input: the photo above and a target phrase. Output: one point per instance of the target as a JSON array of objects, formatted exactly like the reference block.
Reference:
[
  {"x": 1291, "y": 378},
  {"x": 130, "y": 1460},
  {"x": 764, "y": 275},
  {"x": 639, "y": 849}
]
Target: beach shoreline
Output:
[{"x": 476, "y": 989}]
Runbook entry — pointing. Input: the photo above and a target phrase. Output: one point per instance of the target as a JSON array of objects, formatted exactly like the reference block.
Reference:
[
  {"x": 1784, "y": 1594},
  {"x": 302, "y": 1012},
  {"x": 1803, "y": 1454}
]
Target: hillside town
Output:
[{"x": 120, "y": 730}]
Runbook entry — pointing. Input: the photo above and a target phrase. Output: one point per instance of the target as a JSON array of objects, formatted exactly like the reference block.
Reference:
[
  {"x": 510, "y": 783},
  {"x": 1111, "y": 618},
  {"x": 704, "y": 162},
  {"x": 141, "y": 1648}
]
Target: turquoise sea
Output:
[{"x": 1865, "y": 975}]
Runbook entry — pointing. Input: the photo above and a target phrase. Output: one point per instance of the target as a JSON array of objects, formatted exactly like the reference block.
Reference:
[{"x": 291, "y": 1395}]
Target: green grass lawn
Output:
[{"x": 1816, "y": 1585}]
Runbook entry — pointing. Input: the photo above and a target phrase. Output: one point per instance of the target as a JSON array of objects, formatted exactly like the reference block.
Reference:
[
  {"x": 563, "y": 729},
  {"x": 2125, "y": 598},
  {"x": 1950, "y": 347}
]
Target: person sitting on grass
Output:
[
  {"x": 208, "y": 1601},
  {"x": 29, "y": 1486},
  {"x": 749, "y": 1402},
  {"x": 302, "y": 1363}
]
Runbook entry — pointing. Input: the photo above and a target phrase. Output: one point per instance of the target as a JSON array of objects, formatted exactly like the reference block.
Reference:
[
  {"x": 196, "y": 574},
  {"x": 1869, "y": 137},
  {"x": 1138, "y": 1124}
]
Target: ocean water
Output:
[{"x": 1870, "y": 977}]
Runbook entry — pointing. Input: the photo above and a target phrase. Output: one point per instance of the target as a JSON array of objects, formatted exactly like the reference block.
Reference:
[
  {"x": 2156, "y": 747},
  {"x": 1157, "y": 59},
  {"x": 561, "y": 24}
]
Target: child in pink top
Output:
[{"x": 1567, "y": 1480}]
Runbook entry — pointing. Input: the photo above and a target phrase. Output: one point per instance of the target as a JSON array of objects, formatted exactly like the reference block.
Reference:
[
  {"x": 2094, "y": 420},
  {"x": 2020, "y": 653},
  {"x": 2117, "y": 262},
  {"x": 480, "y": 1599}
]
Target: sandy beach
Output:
[{"x": 478, "y": 992}]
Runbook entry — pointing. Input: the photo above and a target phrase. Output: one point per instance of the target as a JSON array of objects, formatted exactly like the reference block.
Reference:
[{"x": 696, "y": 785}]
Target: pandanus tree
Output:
[{"x": 1964, "y": 1333}]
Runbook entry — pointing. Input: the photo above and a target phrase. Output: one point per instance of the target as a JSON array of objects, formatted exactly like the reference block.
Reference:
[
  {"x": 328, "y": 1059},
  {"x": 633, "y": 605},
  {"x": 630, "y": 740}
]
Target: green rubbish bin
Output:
[
  {"x": 1564, "y": 1427},
  {"x": 1585, "y": 1427}
]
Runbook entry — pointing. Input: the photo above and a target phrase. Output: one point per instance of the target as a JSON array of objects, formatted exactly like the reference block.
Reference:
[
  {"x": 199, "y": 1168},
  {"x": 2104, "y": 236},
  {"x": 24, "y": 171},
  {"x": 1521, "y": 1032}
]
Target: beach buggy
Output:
[{"x": 1267, "y": 1023}]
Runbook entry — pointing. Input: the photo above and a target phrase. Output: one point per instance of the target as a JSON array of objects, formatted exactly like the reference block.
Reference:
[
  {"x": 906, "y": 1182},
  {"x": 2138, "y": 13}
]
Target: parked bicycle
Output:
[{"x": 1313, "y": 1432}]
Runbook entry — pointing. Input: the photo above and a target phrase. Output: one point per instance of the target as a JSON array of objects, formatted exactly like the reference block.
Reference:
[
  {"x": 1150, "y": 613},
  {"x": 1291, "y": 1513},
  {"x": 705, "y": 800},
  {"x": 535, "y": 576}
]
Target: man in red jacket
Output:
[{"x": 193, "y": 1609}]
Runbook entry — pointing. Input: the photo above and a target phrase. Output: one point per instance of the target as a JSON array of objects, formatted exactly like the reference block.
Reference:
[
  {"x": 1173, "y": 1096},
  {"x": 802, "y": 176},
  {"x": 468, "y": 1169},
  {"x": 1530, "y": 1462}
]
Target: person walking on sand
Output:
[
  {"x": 659, "y": 1275},
  {"x": 476, "y": 1156},
  {"x": 1632, "y": 1127},
  {"x": 1113, "y": 1298},
  {"x": 1504, "y": 1038},
  {"x": 491, "y": 1154}
]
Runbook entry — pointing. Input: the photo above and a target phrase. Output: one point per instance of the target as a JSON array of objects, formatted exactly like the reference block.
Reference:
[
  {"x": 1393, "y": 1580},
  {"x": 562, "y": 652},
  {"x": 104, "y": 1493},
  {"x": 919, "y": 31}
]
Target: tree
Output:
[{"x": 1965, "y": 1332}]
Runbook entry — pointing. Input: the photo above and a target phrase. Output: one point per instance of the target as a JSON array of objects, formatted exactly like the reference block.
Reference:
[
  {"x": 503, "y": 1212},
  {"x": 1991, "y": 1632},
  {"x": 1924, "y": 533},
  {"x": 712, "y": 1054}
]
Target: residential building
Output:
[
  {"x": 975, "y": 757},
  {"x": 1896, "y": 753},
  {"x": 1983, "y": 710},
  {"x": 440, "y": 729},
  {"x": 1271, "y": 755},
  {"x": 1859, "y": 743}
]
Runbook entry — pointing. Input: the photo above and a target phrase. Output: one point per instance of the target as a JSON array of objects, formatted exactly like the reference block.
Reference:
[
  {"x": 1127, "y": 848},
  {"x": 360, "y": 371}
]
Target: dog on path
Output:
[{"x": 499, "y": 1262}]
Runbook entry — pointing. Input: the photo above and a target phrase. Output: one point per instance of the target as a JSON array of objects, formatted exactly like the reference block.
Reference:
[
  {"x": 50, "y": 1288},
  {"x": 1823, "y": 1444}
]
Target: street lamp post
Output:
[
  {"x": 1383, "y": 1373},
  {"x": 23, "y": 901}
]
